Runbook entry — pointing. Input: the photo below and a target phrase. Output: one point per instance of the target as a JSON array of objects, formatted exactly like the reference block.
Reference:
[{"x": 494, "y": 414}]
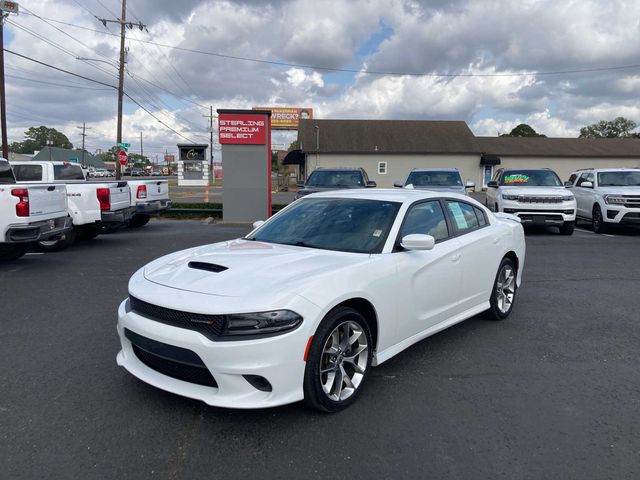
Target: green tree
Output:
[
  {"x": 619, "y": 127},
  {"x": 36, "y": 138},
  {"x": 523, "y": 130},
  {"x": 294, "y": 145}
]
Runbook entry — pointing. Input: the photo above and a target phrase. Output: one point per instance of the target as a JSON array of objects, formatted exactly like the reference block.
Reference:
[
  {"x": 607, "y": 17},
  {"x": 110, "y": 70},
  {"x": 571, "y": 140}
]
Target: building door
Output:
[{"x": 487, "y": 175}]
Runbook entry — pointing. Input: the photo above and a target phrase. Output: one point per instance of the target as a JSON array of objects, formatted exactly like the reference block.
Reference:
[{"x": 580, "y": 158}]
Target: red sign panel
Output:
[
  {"x": 122, "y": 157},
  {"x": 238, "y": 129}
]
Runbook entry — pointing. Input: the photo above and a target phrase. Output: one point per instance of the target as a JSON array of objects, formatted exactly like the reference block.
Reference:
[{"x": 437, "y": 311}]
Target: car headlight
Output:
[
  {"x": 613, "y": 200},
  {"x": 260, "y": 323},
  {"x": 567, "y": 198},
  {"x": 509, "y": 197}
]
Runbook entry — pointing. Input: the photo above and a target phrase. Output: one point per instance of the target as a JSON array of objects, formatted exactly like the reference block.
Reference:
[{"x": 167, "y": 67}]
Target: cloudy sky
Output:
[{"x": 434, "y": 59}]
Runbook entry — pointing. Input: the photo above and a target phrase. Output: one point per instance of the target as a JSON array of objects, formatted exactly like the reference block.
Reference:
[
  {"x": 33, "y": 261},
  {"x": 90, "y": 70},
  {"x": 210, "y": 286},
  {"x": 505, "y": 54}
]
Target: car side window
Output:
[
  {"x": 463, "y": 217},
  {"x": 496, "y": 177},
  {"x": 585, "y": 177},
  {"x": 28, "y": 173},
  {"x": 482, "y": 219},
  {"x": 426, "y": 218},
  {"x": 573, "y": 177}
]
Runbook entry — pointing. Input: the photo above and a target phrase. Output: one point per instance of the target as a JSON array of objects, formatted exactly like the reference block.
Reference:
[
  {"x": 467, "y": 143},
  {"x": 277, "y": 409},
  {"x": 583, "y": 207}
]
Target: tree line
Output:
[{"x": 619, "y": 127}]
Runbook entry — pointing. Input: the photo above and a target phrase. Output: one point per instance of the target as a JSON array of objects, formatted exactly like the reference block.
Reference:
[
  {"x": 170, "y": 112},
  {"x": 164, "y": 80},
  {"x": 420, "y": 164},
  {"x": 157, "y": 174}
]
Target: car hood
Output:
[
  {"x": 620, "y": 190},
  {"x": 534, "y": 191},
  {"x": 251, "y": 268},
  {"x": 441, "y": 188}
]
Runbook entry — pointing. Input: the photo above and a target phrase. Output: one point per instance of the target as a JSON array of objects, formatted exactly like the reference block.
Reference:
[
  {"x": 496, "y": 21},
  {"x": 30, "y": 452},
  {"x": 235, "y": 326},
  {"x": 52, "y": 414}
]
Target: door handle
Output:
[
  {"x": 455, "y": 257},
  {"x": 496, "y": 240}
]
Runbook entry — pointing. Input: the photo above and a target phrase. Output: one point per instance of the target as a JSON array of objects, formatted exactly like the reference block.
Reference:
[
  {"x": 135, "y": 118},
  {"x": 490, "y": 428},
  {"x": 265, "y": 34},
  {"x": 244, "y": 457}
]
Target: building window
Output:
[{"x": 382, "y": 168}]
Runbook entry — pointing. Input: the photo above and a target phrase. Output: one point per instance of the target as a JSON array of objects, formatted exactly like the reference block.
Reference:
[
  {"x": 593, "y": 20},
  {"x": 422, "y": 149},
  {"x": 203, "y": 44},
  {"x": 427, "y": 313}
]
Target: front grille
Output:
[
  {"x": 539, "y": 199},
  {"x": 533, "y": 210},
  {"x": 210, "y": 326},
  {"x": 174, "y": 362}
]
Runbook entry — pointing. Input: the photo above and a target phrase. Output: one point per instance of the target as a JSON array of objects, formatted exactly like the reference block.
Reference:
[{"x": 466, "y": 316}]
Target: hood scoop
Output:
[{"x": 209, "y": 267}]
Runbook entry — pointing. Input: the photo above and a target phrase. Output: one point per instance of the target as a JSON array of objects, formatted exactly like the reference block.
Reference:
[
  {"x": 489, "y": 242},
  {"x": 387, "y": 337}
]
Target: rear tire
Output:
[
  {"x": 55, "y": 244},
  {"x": 88, "y": 232},
  {"x": 503, "y": 294},
  {"x": 338, "y": 360},
  {"x": 139, "y": 220},
  {"x": 567, "y": 228},
  {"x": 12, "y": 251}
]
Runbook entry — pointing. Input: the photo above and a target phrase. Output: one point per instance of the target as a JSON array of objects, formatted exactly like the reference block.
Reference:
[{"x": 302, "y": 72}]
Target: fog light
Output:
[
  {"x": 611, "y": 214},
  {"x": 258, "y": 382}
]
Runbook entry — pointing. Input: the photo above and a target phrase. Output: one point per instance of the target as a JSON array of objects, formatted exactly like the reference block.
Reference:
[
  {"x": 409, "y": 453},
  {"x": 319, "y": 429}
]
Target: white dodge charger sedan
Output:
[{"x": 310, "y": 300}]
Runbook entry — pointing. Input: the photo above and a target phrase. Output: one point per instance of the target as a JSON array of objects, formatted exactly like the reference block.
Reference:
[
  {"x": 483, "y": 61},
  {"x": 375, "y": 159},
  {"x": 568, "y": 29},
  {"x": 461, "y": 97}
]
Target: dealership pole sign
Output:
[
  {"x": 238, "y": 129},
  {"x": 284, "y": 118}
]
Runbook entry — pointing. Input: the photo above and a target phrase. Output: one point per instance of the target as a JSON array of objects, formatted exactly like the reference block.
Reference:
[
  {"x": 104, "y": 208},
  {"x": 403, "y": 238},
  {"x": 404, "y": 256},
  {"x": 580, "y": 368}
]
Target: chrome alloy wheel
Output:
[
  {"x": 344, "y": 361},
  {"x": 505, "y": 288}
]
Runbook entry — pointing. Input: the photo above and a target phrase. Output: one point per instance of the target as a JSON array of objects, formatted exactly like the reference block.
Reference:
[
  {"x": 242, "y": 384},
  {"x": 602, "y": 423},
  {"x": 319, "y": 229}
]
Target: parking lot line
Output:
[
  {"x": 593, "y": 233},
  {"x": 35, "y": 253}
]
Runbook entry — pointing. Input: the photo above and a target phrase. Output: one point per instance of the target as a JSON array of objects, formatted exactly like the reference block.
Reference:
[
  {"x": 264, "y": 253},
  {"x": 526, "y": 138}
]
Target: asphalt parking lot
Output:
[{"x": 552, "y": 392}]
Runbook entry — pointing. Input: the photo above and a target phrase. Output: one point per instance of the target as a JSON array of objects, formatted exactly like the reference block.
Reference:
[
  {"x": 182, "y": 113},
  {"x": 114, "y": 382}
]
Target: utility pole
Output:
[
  {"x": 141, "y": 150},
  {"x": 84, "y": 129},
  {"x": 3, "y": 101},
  {"x": 123, "y": 24},
  {"x": 210, "y": 117}
]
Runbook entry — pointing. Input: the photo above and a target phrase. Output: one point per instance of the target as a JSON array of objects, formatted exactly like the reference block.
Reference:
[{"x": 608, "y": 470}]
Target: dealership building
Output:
[{"x": 389, "y": 149}]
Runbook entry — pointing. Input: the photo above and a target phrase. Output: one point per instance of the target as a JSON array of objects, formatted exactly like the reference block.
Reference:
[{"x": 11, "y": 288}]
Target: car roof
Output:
[
  {"x": 387, "y": 194},
  {"x": 621, "y": 169},
  {"x": 338, "y": 169}
]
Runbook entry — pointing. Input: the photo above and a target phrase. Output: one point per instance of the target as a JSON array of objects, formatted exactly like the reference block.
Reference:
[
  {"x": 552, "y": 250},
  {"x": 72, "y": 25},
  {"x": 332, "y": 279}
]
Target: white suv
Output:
[
  {"x": 536, "y": 195},
  {"x": 607, "y": 196}
]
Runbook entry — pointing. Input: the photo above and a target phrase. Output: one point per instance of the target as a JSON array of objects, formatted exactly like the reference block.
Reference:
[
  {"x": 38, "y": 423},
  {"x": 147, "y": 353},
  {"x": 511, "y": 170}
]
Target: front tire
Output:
[
  {"x": 567, "y": 228},
  {"x": 12, "y": 251},
  {"x": 503, "y": 294},
  {"x": 597, "y": 220},
  {"x": 88, "y": 232},
  {"x": 338, "y": 360}
]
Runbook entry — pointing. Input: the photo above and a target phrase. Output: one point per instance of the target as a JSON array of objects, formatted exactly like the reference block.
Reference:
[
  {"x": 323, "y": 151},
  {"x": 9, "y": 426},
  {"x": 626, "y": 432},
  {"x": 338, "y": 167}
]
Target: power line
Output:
[
  {"x": 55, "y": 84},
  {"x": 372, "y": 72},
  {"x": 100, "y": 83}
]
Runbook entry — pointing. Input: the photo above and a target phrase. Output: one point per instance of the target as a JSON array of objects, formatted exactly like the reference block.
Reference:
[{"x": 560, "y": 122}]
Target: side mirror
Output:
[
  {"x": 258, "y": 223},
  {"x": 418, "y": 241},
  {"x": 586, "y": 184},
  {"x": 568, "y": 184},
  {"x": 300, "y": 184},
  {"x": 470, "y": 184},
  {"x": 371, "y": 184},
  {"x": 398, "y": 184},
  {"x": 492, "y": 184}
]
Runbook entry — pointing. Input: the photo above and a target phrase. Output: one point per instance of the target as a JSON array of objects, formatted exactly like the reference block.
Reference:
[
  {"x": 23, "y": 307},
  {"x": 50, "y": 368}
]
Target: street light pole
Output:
[
  {"x": 121, "y": 82},
  {"x": 3, "y": 103}
]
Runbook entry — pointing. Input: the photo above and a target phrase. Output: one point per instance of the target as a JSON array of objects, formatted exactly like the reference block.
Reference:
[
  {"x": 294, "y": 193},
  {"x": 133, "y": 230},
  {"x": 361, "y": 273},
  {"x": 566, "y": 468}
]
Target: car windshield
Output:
[
  {"x": 343, "y": 224},
  {"x": 68, "y": 172},
  {"x": 434, "y": 179},
  {"x": 619, "y": 179},
  {"x": 332, "y": 178},
  {"x": 531, "y": 178}
]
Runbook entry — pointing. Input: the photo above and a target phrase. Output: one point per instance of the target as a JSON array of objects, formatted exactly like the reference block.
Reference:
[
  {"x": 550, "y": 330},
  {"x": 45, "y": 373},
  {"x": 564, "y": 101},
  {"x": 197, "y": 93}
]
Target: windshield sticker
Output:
[
  {"x": 458, "y": 216},
  {"x": 516, "y": 179},
  {"x": 377, "y": 233}
]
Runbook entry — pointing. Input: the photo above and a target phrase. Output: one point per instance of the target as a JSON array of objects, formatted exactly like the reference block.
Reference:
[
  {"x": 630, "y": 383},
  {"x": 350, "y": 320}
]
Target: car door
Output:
[
  {"x": 584, "y": 196},
  {"x": 428, "y": 279},
  {"x": 480, "y": 251},
  {"x": 493, "y": 192}
]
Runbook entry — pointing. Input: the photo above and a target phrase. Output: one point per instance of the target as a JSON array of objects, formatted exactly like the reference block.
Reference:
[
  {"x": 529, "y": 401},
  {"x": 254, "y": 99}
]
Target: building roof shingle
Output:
[
  {"x": 559, "y": 147},
  {"x": 66, "y": 155}
]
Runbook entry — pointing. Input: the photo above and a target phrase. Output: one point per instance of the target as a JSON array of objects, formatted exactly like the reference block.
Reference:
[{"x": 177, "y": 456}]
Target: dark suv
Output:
[{"x": 323, "y": 179}]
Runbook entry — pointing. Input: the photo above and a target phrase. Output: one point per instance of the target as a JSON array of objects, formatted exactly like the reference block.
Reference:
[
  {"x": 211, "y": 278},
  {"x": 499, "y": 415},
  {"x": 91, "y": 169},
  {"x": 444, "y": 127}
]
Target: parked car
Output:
[
  {"x": 368, "y": 273},
  {"x": 156, "y": 173},
  {"x": 437, "y": 180},
  {"x": 149, "y": 197},
  {"x": 91, "y": 205},
  {"x": 323, "y": 179},
  {"x": 607, "y": 196},
  {"x": 29, "y": 213},
  {"x": 136, "y": 172},
  {"x": 535, "y": 195}
]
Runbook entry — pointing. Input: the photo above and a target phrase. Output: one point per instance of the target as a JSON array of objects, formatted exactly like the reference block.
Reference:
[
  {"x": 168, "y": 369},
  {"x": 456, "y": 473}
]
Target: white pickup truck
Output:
[
  {"x": 29, "y": 213},
  {"x": 150, "y": 197},
  {"x": 91, "y": 204}
]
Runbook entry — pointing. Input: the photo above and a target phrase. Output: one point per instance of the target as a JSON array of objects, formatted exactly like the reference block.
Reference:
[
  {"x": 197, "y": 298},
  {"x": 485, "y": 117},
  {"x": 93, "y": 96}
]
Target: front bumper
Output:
[
  {"x": 153, "y": 207},
  {"x": 278, "y": 359},
  {"x": 119, "y": 216},
  {"x": 621, "y": 215},
  {"x": 37, "y": 231},
  {"x": 542, "y": 214}
]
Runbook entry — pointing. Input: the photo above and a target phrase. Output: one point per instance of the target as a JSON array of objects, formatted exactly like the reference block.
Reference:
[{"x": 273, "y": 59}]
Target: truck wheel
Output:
[
  {"x": 139, "y": 220},
  {"x": 110, "y": 227},
  {"x": 60, "y": 242},
  {"x": 567, "y": 228},
  {"x": 88, "y": 232},
  {"x": 597, "y": 221},
  {"x": 12, "y": 251}
]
